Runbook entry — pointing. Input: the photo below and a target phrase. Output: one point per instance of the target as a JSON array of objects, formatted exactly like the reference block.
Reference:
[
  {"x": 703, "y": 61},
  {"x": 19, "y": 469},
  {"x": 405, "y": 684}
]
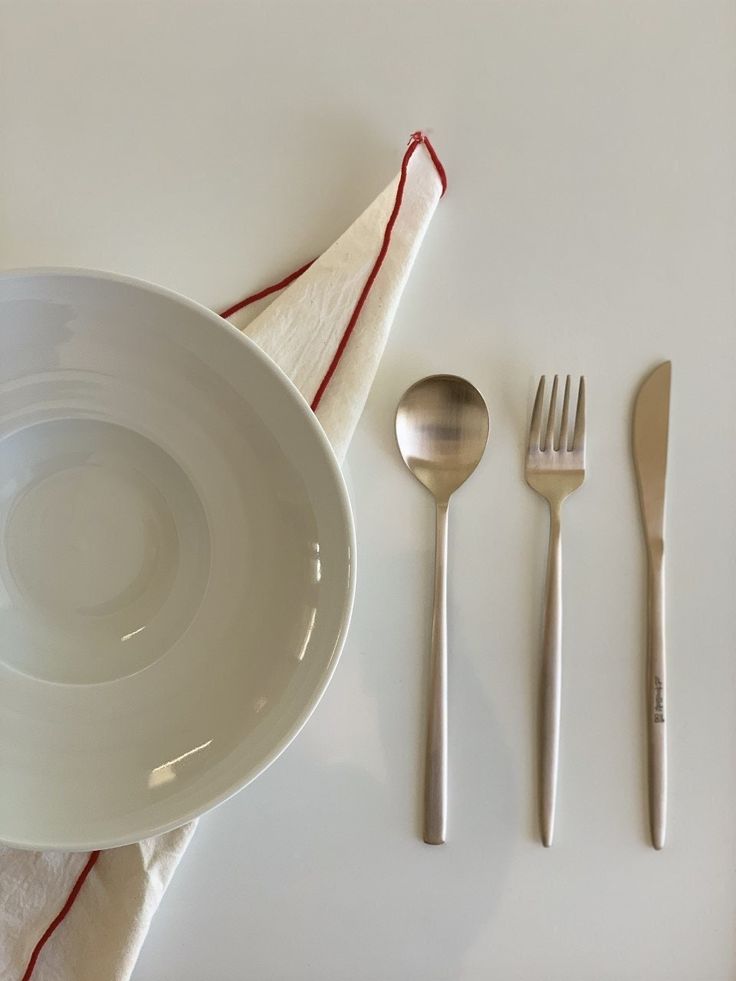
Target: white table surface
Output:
[{"x": 590, "y": 226}]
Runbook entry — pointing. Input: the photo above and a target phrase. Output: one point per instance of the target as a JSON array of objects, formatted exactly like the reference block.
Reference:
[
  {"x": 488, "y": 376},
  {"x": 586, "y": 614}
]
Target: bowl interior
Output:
[{"x": 176, "y": 560}]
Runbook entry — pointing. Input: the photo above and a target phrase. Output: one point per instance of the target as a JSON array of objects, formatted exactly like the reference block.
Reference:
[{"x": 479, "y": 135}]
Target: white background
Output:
[{"x": 590, "y": 226}]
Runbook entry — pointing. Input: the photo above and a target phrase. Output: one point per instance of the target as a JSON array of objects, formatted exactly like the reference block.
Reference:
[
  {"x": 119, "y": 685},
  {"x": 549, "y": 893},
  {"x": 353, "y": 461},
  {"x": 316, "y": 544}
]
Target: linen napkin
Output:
[{"x": 84, "y": 917}]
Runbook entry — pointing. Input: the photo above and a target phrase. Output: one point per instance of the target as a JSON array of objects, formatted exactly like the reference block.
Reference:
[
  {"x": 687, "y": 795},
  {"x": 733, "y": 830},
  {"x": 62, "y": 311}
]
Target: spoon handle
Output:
[{"x": 435, "y": 788}]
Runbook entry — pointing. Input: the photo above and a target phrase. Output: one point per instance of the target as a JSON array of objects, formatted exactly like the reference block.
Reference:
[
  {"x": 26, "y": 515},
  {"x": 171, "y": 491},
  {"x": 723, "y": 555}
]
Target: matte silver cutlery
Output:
[
  {"x": 555, "y": 467},
  {"x": 442, "y": 428},
  {"x": 650, "y": 438}
]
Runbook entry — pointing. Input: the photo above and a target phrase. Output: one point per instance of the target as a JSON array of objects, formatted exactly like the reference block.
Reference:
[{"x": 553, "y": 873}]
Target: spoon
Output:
[{"x": 442, "y": 429}]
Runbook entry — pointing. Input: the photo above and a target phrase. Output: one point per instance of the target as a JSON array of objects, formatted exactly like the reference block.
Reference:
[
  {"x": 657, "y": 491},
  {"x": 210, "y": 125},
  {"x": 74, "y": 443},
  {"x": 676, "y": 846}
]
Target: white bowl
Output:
[{"x": 176, "y": 560}]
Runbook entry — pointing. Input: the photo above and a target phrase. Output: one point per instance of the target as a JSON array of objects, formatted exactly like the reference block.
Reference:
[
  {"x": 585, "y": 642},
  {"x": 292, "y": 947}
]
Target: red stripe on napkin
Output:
[
  {"x": 61, "y": 914},
  {"x": 417, "y": 139},
  {"x": 282, "y": 284}
]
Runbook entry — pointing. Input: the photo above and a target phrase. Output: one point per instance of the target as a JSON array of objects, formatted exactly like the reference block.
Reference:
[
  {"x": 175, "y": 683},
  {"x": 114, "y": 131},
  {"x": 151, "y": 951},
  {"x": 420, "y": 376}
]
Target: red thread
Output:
[
  {"x": 421, "y": 138},
  {"x": 416, "y": 140},
  {"x": 282, "y": 284},
  {"x": 61, "y": 914}
]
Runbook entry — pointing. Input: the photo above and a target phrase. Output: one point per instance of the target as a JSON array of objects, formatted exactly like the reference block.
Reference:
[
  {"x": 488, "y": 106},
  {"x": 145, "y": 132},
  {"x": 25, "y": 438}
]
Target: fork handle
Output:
[
  {"x": 657, "y": 703},
  {"x": 551, "y": 678},
  {"x": 435, "y": 779}
]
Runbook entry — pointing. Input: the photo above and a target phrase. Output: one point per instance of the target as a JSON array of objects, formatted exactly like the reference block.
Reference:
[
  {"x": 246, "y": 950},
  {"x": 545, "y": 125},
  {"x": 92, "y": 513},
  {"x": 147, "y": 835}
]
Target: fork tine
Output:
[
  {"x": 535, "y": 429},
  {"x": 578, "y": 440},
  {"x": 549, "y": 434},
  {"x": 563, "y": 441}
]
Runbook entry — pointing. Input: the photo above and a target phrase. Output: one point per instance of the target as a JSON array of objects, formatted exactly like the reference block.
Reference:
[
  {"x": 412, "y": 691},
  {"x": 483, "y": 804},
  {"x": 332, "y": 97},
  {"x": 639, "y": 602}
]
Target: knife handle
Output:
[{"x": 657, "y": 702}]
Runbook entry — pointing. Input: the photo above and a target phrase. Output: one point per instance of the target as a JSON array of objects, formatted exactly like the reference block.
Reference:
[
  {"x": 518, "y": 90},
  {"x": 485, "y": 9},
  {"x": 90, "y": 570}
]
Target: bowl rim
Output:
[{"x": 346, "y": 513}]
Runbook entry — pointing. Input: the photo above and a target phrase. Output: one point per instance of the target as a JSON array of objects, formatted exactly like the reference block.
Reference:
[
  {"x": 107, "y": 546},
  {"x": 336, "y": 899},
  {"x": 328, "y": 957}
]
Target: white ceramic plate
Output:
[{"x": 176, "y": 560}]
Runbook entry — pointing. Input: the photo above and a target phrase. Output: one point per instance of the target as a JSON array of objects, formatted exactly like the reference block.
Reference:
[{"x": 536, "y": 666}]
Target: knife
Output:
[{"x": 650, "y": 435}]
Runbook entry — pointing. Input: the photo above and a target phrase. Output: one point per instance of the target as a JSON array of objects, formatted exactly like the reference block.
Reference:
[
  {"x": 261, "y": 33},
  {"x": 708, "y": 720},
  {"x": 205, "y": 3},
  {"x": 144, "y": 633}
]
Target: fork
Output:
[{"x": 555, "y": 467}]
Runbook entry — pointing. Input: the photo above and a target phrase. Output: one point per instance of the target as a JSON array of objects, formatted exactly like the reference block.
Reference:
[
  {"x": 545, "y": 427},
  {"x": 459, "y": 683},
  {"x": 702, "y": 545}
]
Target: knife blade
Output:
[{"x": 650, "y": 443}]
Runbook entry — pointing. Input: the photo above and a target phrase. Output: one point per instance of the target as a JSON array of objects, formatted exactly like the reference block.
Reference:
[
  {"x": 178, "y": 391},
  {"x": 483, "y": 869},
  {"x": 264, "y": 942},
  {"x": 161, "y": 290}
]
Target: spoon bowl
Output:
[{"x": 442, "y": 428}]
